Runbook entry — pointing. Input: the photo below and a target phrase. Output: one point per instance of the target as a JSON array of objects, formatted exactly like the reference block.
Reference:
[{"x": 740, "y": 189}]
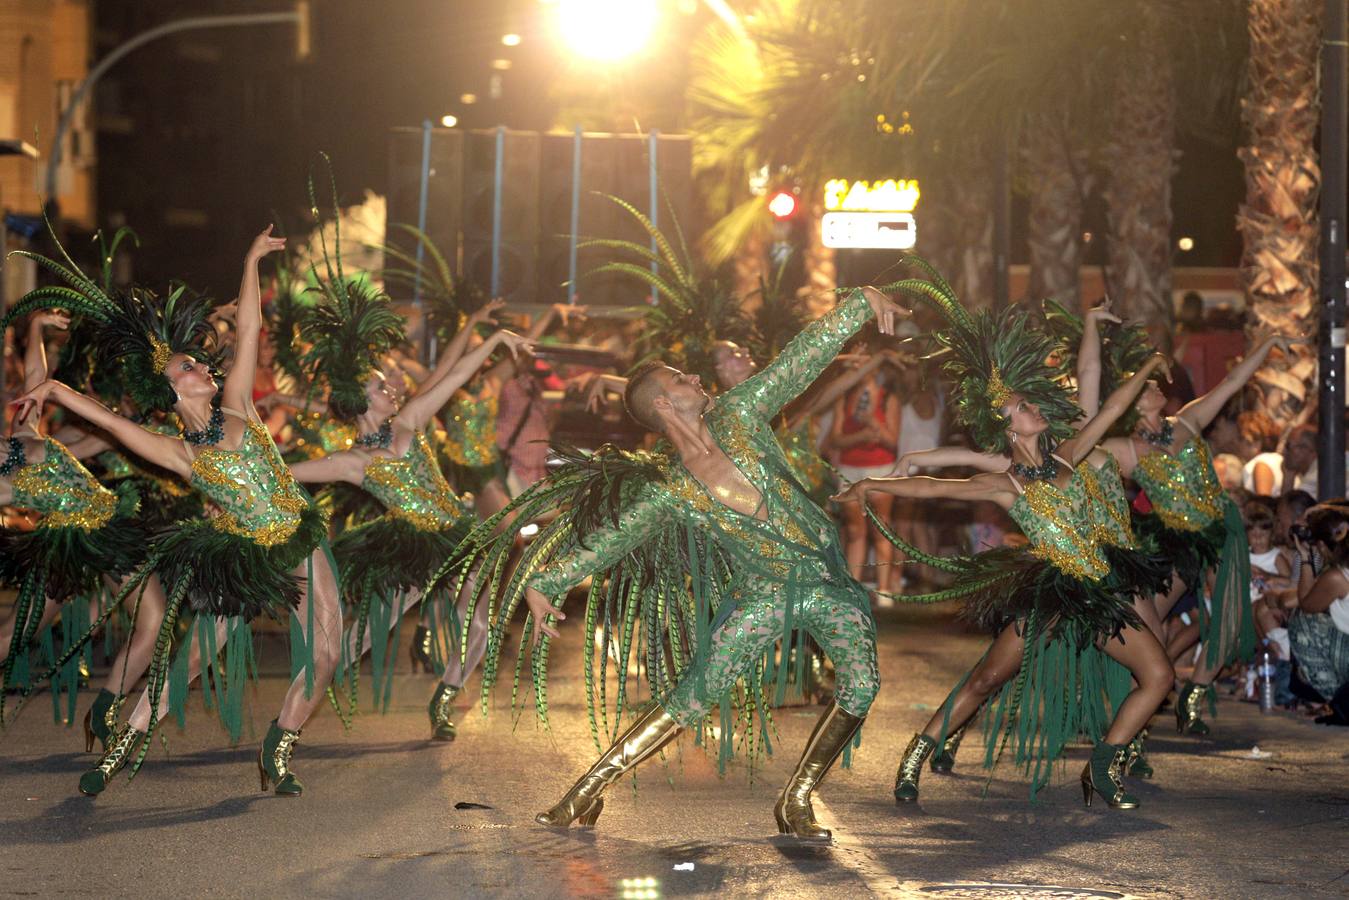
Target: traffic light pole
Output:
[
  {"x": 298, "y": 16},
  {"x": 1334, "y": 161}
]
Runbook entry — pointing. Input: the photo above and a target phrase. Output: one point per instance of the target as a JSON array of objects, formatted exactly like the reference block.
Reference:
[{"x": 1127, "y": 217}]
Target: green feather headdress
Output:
[
  {"x": 134, "y": 331},
  {"x": 1124, "y": 350},
  {"x": 692, "y": 311},
  {"x": 990, "y": 356},
  {"x": 447, "y": 298},
  {"x": 350, "y": 326}
]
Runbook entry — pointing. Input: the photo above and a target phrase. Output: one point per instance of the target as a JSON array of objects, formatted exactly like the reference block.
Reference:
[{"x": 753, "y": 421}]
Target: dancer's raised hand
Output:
[
  {"x": 887, "y": 311},
  {"x": 264, "y": 244},
  {"x": 540, "y": 607}
]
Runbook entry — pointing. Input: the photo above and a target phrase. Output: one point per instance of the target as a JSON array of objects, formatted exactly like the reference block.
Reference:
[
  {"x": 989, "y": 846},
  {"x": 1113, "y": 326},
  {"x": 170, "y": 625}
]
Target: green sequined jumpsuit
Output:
[{"x": 787, "y": 570}]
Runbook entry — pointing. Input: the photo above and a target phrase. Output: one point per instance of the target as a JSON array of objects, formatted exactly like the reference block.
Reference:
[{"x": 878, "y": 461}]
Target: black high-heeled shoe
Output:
[{"x": 1103, "y": 775}]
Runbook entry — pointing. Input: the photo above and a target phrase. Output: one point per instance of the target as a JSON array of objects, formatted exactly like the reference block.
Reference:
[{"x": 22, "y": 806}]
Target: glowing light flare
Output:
[
  {"x": 1186, "y": 244},
  {"x": 606, "y": 30},
  {"x": 890, "y": 195},
  {"x": 449, "y": 121},
  {"x": 510, "y": 40},
  {"x": 782, "y": 204}
]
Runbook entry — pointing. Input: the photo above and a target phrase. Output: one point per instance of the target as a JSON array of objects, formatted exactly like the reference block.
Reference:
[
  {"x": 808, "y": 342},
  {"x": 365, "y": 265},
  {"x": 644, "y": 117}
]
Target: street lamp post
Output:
[
  {"x": 298, "y": 16},
  {"x": 1334, "y": 160}
]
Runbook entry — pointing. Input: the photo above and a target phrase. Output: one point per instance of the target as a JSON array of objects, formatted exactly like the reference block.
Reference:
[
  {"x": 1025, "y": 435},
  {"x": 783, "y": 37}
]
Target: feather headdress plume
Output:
[
  {"x": 349, "y": 328},
  {"x": 133, "y": 331}
]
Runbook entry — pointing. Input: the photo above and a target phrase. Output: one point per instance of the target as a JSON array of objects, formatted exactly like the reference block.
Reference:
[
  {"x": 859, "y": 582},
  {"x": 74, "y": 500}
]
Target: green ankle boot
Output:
[
  {"x": 274, "y": 761},
  {"x": 442, "y": 729},
  {"x": 1188, "y": 707},
  {"x": 121, "y": 745},
  {"x": 1104, "y": 775},
  {"x": 911, "y": 766},
  {"x": 1137, "y": 757},
  {"x": 944, "y": 761},
  {"x": 101, "y": 719}
]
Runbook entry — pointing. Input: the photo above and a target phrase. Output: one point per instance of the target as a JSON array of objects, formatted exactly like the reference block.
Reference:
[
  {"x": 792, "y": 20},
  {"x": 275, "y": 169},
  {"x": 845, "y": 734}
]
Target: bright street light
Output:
[
  {"x": 449, "y": 121},
  {"x": 510, "y": 40},
  {"x": 606, "y": 30}
]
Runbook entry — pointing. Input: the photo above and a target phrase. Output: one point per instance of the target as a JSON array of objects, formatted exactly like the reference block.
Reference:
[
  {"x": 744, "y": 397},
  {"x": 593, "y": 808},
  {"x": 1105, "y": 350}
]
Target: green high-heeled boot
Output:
[
  {"x": 101, "y": 719},
  {"x": 442, "y": 729},
  {"x": 911, "y": 766},
  {"x": 945, "y": 760},
  {"x": 1188, "y": 708},
  {"x": 420, "y": 651},
  {"x": 1137, "y": 757},
  {"x": 1103, "y": 775},
  {"x": 121, "y": 745},
  {"x": 274, "y": 761}
]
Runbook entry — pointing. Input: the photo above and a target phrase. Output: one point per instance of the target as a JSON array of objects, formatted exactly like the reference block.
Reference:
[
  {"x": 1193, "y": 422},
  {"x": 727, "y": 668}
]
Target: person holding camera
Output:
[{"x": 1319, "y": 630}]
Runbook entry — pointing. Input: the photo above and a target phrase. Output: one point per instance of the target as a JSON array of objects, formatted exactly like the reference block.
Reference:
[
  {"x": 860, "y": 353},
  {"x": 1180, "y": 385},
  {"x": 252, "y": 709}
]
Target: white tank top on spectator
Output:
[
  {"x": 915, "y": 432},
  {"x": 1274, "y": 461},
  {"x": 1267, "y": 561},
  {"x": 1339, "y": 610}
]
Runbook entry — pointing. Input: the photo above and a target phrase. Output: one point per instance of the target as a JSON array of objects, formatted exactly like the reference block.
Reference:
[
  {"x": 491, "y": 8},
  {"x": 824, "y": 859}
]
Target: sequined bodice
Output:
[
  {"x": 1184, "y": 490},
  {"x": 257, "y": 496},
  {"x": 63, "y": 491},
  {"x": 1058, "y": 523},
  {"x": 800, "y": 447},
  {"x": 413, "y": 488},
  {"x": 471, "y": 428},
  {"x": 1108, "y": 505}
]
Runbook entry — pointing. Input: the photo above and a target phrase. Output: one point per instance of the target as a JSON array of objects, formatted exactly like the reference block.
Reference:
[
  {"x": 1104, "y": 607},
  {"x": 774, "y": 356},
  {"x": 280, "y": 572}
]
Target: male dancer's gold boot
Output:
[
  {"x": 832, "y": 733},
  {"x": 650, "y": 731}
]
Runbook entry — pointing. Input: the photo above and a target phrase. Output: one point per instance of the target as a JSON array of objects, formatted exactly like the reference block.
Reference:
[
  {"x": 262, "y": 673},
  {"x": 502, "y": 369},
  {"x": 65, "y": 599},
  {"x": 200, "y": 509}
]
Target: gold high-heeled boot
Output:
[
  {"x": 121, "y": 744},
  {"x": 793, "y": 811},
  {"x": 650, "y": 731}
]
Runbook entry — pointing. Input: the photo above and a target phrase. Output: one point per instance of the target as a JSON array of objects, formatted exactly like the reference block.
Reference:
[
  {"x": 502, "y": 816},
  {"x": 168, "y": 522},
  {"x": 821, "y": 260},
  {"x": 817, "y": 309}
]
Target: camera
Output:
[{"x": 1300, "y": 533}]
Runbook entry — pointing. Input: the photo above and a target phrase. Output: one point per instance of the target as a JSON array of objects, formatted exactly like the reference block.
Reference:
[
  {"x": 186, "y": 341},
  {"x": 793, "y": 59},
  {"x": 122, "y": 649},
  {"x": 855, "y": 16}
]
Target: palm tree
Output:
[{"x": 1278, "y": 222}]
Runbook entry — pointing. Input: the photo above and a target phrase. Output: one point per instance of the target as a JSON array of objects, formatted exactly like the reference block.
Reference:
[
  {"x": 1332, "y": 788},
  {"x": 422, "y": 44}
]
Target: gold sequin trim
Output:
[{"x": 1084, "y": 559}]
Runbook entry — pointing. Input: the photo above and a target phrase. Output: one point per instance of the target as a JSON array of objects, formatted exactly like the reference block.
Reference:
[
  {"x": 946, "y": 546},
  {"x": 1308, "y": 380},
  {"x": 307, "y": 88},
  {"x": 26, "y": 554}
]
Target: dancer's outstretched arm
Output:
[
  {"x": 417, "y": 412},
  {"x": 951, "y": 457},
  {"x": 238, "y": 387},
  {"x": 1076, "y": 448},
  {"x": 159, "y": 449},
  {"x": 341, "y": 466},
  {"x": 993, "y": 488},
  {"x": 808, "y": 354},
  {"x": 454, "y": 350},
  {"x": 35, "y": 354},
  {"x": 1201, "y": 411},
  {"x": 1089, "y": 358}
]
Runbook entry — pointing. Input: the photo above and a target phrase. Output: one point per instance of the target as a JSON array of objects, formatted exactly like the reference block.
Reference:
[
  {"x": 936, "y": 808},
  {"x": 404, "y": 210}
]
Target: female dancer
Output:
[
  {"x": 261, "y": 553},
  {"x": 1191, "y": 519},
  {"x": 87, "y": 534},
  {"x": 1056, "y": 605},
  {"x": 383, "y": 563}
]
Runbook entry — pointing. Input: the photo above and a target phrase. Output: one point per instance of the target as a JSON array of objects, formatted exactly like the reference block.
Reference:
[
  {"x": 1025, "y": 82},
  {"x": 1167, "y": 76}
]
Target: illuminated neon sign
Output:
[
  {"x": 870, "y": 215},
  {"x": 890, "y": 195}
]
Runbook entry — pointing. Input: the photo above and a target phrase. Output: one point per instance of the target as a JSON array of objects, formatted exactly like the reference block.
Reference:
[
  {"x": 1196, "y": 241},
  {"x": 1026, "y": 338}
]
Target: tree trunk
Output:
[
  {"x": 1140, "y": 161},
  {"x": 956, "y": 234},
  {"x": 1278, "y": 222},
  {"x": 1059, "y": 179},
  {"x": 751, "y": 270}
]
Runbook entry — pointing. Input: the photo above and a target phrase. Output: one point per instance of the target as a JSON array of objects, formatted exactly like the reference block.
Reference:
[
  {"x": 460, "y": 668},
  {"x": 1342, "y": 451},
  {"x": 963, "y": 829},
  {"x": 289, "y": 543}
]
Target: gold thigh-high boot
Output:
[
  {"x": 652, "y": 728},
  {"x": 832, "y": 733}
]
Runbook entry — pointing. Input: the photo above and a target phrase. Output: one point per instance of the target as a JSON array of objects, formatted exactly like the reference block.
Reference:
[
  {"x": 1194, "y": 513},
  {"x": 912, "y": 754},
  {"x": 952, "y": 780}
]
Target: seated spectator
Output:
[
  {"x": 1263, "y": 472},
  {"x": 1319, "y": 632},
  {"x": 1300, "y": 460}
]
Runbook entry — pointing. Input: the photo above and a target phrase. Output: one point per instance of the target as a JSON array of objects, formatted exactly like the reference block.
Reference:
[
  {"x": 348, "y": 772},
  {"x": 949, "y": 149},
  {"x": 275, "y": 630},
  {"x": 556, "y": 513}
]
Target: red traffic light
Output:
[{"x": 782, "y": 205}]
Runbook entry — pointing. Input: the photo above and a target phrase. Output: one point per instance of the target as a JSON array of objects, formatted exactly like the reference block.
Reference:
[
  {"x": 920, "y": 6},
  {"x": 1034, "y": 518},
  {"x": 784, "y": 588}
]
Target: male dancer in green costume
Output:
[{"x": 782, "y": 566}]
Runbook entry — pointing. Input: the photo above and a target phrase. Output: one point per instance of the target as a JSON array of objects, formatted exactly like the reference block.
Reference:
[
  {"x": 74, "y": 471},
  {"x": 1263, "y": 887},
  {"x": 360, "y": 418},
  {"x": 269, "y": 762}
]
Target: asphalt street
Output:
[{"x": 387, "y": 813}]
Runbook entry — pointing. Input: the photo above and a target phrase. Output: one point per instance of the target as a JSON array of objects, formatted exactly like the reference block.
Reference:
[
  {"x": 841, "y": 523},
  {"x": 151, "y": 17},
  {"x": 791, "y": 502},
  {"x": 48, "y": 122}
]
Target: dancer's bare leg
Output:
[
  {"x": 140, "y": 716},
  {"x": 886, "y": 575},
  {"x": 460, "y": 667},
  {"x": 1147, "y": 611},
  {"x": 138, "y": 649},
  {"x": 998, "y": 666},
  {"x": 1164, "y": 603},
  {"x": 326, "y": 640},
  {"x": 1138, "y": 651},
  {"x": 405, "y": 602}
]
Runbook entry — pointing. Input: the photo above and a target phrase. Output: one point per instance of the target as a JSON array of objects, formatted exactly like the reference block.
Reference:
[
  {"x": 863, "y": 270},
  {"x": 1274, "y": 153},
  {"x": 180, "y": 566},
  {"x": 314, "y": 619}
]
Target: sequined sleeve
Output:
[
  {"x": 601, "y": 549},
  {"x": 802, "y": 360}
]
